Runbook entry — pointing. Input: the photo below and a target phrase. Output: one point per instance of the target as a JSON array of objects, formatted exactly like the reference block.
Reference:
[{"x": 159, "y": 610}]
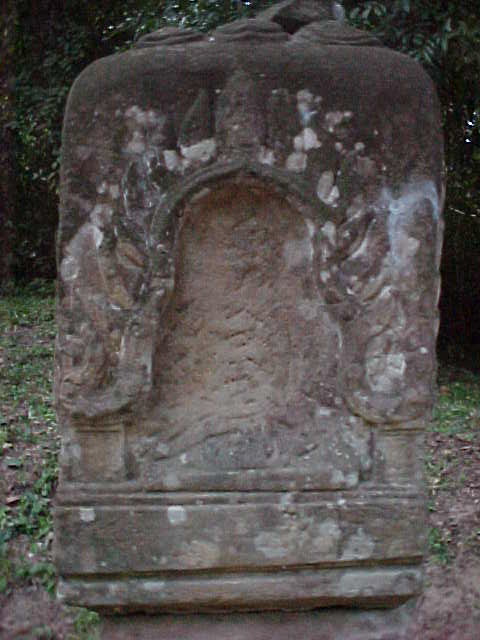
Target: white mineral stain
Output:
[
  {"x": 136, "y": 144},
  {"x": 351, "y": 479},
  {"x": 176, "y": 515},
  {"x": 97, "y": 236},
  {"x": 297, "y": 252},
  {"x": 361, "y": 251},
  {"x": 145, "y": 118},
  {"x": 310, "y": 139},
  {"x": 298, "y": 143},
  {"x": 286, "y": 500},
  {"x": 359, "y": 546},
  {"x": 153, "y": 586},
  {"x": 134, "y": 112},
  {"x": 384, "y": 371},
  {"x": 172, "y": 159},
  {"x": 328, "y": 535},
  {"x": 338, "y": 477},
  {"x": 162, "y": 449},
  {"x": 327, "y": 191},
  {"x": 200, "y": 151},
  {"x": 271, "y": 544},
  {"x": 311, "y": 227},
  {"x": 76, "y": 451},
  {"x": 385, "y": 293},
  {"x": 401, "y": 212},
  {"x": 323, "y": 412},
  {"x": 61, "y": 593},
  {"x": 334, "y": 118},
  {"x": 199, "y": 553},
  {"x": 101, "y": 215},
  {"x": 87, "y": 514},
  {"x": 114, "y": 191},
  {"x": 296, "y": 162},
  {"x": 306, "y": 140},
  {"x": 70, "y": 268},
  {"x": 266, "y": 156},
  {"x": 304, "y": 103},
  {"x": 329, "y": 231},
  {"x": 304, "y": 95}
]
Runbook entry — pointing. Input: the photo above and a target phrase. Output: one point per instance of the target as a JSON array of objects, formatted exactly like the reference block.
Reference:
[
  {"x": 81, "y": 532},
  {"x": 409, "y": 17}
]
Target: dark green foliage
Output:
[
  {"x": 445, "y": 37},
  {"x": 56, "y": 40}
]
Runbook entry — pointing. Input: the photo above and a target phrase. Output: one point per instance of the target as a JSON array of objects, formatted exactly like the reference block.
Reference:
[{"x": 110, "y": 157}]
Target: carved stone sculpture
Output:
[{"x": 248, "y": 258}]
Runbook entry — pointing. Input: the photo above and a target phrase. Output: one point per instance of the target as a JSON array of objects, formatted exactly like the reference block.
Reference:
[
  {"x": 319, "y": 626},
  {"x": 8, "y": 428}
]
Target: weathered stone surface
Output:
[
  {"x": 248, "y": 258},
  {"x": 259, "y": 533},
  {"x": 328, "y": 624}
]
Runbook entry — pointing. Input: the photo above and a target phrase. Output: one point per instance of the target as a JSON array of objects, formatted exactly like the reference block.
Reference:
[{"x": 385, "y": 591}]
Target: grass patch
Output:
[
  {"x": 438, "y": 542},
  {"x": 457, "y": 410},
  {"x": 86, "y": 625},
  {"x": 29, "y": 445},
  {"x": 29, "y": 440}
]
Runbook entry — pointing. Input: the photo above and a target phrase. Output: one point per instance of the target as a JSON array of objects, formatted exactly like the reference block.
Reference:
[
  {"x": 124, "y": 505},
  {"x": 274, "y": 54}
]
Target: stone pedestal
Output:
[
  {"x": 248, "y": 258},
  {"x": 324, "y": 624}
]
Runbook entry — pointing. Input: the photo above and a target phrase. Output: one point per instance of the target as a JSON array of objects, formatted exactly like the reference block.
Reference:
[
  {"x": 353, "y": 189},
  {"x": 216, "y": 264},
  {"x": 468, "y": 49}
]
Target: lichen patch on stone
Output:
[
  {"x": 327, "y": 190},
  {"x": 87, "y": 514},
  {"x": 305, "y": 104},
  {"x": 335, "y": 118},
  {"x": 176, "y": 514},
  {"x": 359, "y": 546},
  {"x": 266, "y": 156},
  {"x": 296, "y": 161},
  {"x": 201, "y": 151}
]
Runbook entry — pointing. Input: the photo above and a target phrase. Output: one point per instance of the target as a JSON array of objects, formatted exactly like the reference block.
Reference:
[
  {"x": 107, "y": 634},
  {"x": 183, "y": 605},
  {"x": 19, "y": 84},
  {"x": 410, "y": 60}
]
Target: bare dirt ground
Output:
[{"x": 449, "y": 608}]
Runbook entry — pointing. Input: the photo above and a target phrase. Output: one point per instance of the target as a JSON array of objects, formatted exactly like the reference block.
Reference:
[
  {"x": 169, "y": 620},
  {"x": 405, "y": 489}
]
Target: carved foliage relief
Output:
[{"x": 374, "y": 236}]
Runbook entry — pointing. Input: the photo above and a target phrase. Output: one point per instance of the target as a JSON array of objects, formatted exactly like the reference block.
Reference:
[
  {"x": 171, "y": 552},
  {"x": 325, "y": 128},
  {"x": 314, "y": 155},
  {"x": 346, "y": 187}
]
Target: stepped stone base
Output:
[{"x": 327, "y": 624}]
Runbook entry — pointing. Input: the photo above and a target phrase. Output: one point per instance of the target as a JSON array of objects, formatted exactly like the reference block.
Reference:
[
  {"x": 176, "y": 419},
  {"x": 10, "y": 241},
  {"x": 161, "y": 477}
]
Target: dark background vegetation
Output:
[{"x": 45, "y": 44}]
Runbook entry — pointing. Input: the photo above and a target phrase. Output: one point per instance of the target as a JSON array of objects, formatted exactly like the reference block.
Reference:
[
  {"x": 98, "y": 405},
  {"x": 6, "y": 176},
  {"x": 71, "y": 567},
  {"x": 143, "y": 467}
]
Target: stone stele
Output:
[{"x": 248, "y": 281}]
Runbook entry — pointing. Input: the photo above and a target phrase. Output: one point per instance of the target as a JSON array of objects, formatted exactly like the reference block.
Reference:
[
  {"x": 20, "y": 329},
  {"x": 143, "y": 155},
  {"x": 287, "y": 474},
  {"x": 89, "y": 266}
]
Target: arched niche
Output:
[{"x": 244, "y": 366}]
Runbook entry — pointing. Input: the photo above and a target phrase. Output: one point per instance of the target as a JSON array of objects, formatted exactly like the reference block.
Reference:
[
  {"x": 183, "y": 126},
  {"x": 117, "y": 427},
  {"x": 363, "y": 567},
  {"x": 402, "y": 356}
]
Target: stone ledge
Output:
[
  {"x": 331, "y": 624},
  {"x": 287, "y": 590},
  {"x": 133, "y": 539}
]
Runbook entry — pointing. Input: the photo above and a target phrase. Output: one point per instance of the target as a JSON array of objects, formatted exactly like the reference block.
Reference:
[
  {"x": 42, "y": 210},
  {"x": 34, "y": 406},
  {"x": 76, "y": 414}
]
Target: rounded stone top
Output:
[
  {"x": 257, "y": 29},
  {"x": 331, "y": 32},
  {"x": 168, "y": 36},
  {"x": 309, "y": 22}
]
